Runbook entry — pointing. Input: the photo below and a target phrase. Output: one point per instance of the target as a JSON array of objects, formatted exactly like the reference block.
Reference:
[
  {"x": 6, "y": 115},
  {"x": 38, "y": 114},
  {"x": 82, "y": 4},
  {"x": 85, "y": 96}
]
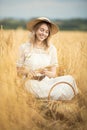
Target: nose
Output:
[{"x": 44, "y": 33}]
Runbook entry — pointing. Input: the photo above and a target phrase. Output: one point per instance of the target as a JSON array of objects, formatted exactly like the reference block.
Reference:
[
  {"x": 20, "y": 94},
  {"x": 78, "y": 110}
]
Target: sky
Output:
[{"x": 55, "y": 9}]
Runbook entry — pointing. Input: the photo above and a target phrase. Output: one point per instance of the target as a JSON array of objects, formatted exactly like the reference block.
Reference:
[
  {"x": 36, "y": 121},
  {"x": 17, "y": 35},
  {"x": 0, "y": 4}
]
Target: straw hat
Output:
[{"x": 32, "y": 23}]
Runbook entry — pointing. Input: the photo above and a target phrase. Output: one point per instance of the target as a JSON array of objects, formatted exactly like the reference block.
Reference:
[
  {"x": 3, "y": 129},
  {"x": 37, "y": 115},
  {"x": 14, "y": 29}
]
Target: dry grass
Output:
[{"x": 19, "y": 110}]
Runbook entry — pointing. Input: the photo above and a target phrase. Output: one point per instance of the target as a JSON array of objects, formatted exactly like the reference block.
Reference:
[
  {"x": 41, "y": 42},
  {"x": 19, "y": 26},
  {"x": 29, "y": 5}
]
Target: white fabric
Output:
[{"x": 36, "y": 58}]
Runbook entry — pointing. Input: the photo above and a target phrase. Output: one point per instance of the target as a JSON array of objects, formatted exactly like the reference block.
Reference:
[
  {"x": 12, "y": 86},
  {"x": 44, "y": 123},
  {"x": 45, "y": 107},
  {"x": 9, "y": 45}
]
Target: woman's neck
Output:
[{"x": 39, "y": 44}]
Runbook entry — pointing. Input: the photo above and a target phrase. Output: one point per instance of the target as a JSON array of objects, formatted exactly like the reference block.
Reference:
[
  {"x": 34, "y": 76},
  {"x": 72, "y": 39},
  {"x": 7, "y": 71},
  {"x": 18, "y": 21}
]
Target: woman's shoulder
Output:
[
  {"x": 52, "y": 47},
  {"x": 24, "y": 46}
]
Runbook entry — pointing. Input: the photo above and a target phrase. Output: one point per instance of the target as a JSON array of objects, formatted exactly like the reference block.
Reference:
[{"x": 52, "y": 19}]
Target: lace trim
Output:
[{"x": 39, "y": 51}]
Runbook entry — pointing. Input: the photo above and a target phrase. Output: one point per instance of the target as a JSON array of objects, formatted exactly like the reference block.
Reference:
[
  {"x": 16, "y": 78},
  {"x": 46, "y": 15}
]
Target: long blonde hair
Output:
[{"x": 33, "y": 37}]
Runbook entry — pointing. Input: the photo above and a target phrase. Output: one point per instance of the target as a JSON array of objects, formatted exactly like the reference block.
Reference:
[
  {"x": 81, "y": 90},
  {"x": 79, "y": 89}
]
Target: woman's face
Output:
[{"x": 42, "y": 32}]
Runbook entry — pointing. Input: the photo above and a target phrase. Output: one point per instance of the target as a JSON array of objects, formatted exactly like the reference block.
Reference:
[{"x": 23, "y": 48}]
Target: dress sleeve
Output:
[
  {"x": 54, "y": 58},
  {"x": 21, "y": 56}
]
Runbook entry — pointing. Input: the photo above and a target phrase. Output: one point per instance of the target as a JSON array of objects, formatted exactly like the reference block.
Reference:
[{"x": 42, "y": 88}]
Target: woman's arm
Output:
[
  {"x": 24, "y": 71},
  {"x": 49, "y": 71},
  {"x": 21, "y": 71}
]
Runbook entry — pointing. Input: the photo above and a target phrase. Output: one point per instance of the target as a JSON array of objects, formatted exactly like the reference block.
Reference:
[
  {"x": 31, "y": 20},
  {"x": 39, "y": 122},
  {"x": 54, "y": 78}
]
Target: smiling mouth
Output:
[{"x": 42, "y": 37}]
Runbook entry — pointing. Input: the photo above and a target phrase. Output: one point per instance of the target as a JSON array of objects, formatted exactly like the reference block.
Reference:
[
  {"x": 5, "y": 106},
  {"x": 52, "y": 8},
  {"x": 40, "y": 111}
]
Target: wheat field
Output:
[{"x": 20, "y": 110}]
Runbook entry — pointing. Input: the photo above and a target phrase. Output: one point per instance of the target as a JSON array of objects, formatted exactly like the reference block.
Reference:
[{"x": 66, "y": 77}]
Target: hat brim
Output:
[{"x": 32, "y": 23}]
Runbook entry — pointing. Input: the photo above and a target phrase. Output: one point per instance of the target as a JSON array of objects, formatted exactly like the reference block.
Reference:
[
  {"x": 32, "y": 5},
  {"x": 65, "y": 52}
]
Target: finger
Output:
[{"x": 33, "y": 73}]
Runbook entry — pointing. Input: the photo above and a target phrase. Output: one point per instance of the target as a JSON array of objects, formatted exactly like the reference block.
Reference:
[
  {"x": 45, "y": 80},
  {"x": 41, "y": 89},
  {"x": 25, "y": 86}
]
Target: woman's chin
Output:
[{"x": 41, "y": 39}]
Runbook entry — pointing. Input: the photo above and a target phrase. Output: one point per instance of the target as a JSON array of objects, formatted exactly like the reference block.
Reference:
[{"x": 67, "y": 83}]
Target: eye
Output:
[
  {"x": 41, "y": 29},
  {"x": 47, "y": 32}
]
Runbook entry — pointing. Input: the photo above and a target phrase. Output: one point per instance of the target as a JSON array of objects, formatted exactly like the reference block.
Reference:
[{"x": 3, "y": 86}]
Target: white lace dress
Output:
[{"x": 38, "y": 58}]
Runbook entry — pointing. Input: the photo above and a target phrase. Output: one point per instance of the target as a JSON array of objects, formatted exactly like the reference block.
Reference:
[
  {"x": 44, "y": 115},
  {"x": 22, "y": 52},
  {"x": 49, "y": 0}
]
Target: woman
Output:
[{"x": 38, "y": 62}]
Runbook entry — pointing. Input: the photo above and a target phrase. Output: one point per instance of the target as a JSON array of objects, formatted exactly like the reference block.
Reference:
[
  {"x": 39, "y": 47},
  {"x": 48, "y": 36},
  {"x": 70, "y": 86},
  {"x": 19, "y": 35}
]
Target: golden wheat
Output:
[{"x": 19, "y": 110}]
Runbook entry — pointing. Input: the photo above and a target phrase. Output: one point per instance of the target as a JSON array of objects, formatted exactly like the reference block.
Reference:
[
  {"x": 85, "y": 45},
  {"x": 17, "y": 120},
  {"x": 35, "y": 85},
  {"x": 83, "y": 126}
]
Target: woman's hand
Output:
[
  {"x": 32, "y": 74},
  {"x": 49, "y": 71},
  {"x": 22, "y": 71}
]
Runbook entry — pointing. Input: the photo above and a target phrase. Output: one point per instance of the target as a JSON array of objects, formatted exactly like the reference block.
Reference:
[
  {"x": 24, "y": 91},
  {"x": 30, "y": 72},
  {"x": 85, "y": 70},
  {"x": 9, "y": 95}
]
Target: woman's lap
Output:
[{"x": 59, "y": 92}]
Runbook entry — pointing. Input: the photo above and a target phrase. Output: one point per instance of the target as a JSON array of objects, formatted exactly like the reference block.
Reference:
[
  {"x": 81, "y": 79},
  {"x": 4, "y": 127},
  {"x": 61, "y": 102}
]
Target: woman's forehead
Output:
[{"x": 44, "y": 25}]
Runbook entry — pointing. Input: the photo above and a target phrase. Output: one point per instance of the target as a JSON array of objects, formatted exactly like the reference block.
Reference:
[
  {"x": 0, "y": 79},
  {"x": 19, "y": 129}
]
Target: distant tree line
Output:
[
  {"x": 12, "y": 23},
  {"x": 71, "y": 24}
]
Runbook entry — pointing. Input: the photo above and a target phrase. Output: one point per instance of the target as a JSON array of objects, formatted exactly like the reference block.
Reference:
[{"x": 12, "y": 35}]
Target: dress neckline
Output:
[{"x": 39, "y": 50}]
